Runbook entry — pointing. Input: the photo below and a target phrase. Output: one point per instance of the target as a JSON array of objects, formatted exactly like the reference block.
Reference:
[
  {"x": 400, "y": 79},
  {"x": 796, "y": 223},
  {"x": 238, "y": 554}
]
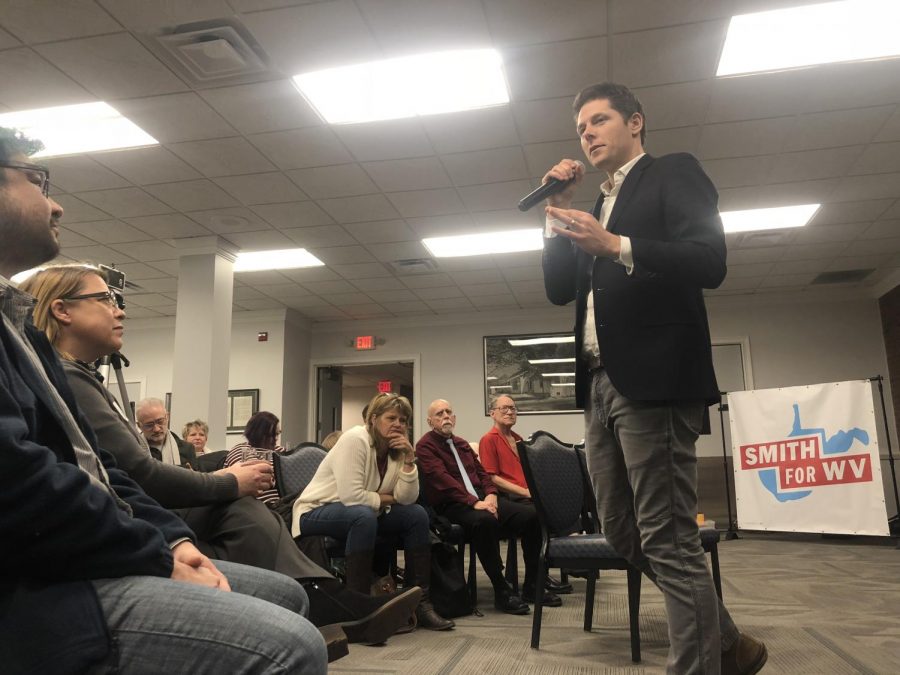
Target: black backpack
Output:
[{"x": 449, "y": 591}]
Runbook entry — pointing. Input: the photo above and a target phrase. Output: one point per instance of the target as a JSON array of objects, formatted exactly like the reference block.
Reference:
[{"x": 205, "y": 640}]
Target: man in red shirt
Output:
[{"x": 500, "y": 459}]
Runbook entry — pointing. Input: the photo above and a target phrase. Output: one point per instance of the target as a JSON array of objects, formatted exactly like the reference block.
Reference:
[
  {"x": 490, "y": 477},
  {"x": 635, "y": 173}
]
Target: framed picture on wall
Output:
[
  {"x": 242, "y": 405},
  {"x": 537, "y": 370}
]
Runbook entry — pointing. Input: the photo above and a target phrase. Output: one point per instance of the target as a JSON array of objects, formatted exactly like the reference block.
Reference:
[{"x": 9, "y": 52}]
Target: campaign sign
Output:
[{"x": 806, "y": 459}]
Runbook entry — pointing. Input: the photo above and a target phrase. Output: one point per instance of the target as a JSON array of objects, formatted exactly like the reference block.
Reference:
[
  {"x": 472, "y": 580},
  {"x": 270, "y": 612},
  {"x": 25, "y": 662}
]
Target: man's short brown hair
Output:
[{"x": 621, "y": 99}]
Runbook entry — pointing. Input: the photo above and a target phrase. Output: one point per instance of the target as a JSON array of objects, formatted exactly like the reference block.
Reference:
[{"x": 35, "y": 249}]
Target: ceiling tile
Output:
[
  {"x": 881, "y": 229},
  {"x": 225, "y": 221},
  {"x": 380, "y": 231},
  {"x": 145, "y": 166},
  {"x": 125, "y": 202},
  {"x": 323, "y": 287},
  {"x": 30, "y": 82},
  {"x": 494, "y": 196},
  {"x": 742, "y": 139},
  {"x": 98, "y": 254},
  {"x": 152, "y": 17},
  {"x": 667, "y": 55},
  {"x": 839, "y": 128},
  {"x": 361, "y": 270},
  {"x": 306, "y": 302},
  {"x": 169, "y": 226},
  {"x": 359, "y": 209},
  {"x": 242, "y": 293},
  {"x": 143, "y": 313},
  {"x": 471, "y": 129},
  {"x": 314, "y": 36},
  {"x": 140, "y": 272},
  {"x": 343, "y": 255},
  {"x": 418, "y": 281},
  {"x": 150, "y": 300},
  {"x": 69, "y": 239},
  {"x": 112, "y": 66},
  {"x": 393, "y": 139},
  {"x": 427, "y": 203},
  {"x": 666, "y": 141},
  {"x": 50, "y": 20},
  {"x": 514, "y": 275},
  {"x": 815, "y": 233},
  {"x": 302, "y": 148},
  {"x": 378, "y": 284},
  {"x": 878, "y": 158},
  {"x": 222, "y": 156},
  {"x": 408, "y": 174},
  {"x": 365, "y": 311},
  {"x": 541, "y": 157},
  {"x": 148, "y": 251},
  {"x": 284, "y": 291},
  {"x": 410, "y": 307},
  {"x": 851, "y": 212},
  {"x": 675, "y": 105},
  {"x": 401, "y": 250},
  {"x": 486, "y": 166},
  {"x": 632, "y": 15},
  {"x": 324, "y": 235},
  {"x": 858, "y": 262},
  {"x": 7, "y": 41},
  {"x": 814, "y": 164},
  {"x": 168, "y": 285},
  {"x": 175, "y": 117},
  {"x": 292, "y": 215},
  {"x": 812, "y": 251},
  {"x": 554, "y": 69},
  {"x": 340, "y": 180},
  {"x": 346, "y": 299},
  {"x": 891, "y": 129},
  {"x": 439, "y": 293},
  {"x": 263, "y": 106},
  {"x": 264, "y": 240},
  {"x": 482, "y": 290},
  {"x": 262, "y": 278},
  {"x": 80, "y": 173},
  {"x": 439, "y": 226},
  {"x": 307, "y": 274},
  {"x": 755, "y": 255},
  {"x": 877, "y": 186},
  {"x": 450, "y": 305},
  {"x": 416, "y": 26},
  {"x": 545, "y": 120},
  {"x": 492, "y": 276},
  {"x": 514, "y": 22},
  {"x": 873, "y": 247},
  {"x": 109, "y": 231},
  {"x": 739, "y": 171},
  {"x": 261, "y": 188}
]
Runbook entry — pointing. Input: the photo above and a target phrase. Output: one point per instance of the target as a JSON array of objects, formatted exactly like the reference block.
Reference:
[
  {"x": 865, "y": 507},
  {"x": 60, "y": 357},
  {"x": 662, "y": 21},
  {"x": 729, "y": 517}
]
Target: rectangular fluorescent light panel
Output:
[
  {"x": 527, "y": 342},
  {"x": 852, "y": 30},
  {"x": 557, "y": 374},
  {"x": 484, "y": 243},
  {"x": 769, "y": 219},
  {"x": 73, "y": 129},
  {"x": 284, "y": 259},
  {"x": 423, "y": 84},
  {"x": 535, "y": 362}
]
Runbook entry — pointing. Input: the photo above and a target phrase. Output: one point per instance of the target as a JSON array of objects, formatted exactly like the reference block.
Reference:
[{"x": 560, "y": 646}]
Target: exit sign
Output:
[
  {"x": 365, "y": 342},
  {"x": 384, "y": 386}
]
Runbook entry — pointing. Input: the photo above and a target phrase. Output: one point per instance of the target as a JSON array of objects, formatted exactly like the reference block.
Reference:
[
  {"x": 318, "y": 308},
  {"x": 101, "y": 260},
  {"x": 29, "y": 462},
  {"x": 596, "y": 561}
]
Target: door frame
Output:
[{"x": 366, "y": 360}]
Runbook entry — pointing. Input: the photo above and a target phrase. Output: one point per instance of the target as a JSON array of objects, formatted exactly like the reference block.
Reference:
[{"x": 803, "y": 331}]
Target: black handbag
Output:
[{"x": 449, "y": 591}]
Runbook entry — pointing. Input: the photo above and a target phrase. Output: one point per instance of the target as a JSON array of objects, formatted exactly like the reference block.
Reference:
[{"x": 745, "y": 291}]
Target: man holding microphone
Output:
[{"x": 636, "y": 268}]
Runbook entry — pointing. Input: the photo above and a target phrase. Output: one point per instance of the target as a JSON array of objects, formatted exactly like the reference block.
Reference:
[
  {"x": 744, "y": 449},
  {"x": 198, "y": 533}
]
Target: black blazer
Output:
[{"x": 651, "y": 325}]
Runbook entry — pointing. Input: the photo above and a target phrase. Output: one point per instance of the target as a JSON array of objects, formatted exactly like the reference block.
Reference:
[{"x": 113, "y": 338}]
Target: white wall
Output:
[{"x": 353, "y": 401}]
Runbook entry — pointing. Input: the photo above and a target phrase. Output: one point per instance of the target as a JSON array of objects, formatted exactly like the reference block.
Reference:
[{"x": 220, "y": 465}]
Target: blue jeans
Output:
[
  {"x": 359, "y": 525},
  {"x": 643, "y": 466},
  {"x": 159, "y": 625}
]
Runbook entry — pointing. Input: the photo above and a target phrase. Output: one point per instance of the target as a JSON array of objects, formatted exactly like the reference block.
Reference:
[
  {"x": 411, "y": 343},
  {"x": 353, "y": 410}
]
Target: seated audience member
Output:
[
  {"x": 95, "y": 574},
  {"x": 197, "y": 434},
  {"x": 499, "y": 456},
  {"x": 153, "y": 419},
  {"x": 262, "y": 432},
  {"x": 229, "y": 523},
  {"x": 458, "y": 488},
  {"x": 332, "y": 438},
  {"x": 367, "y": 486}
]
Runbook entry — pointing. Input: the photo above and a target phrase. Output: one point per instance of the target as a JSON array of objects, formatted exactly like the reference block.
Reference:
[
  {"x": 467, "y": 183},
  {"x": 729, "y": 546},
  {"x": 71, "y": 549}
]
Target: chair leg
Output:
[
  {"x": 512, "y": 565},
  {"x": 716, "y": 574},
  {"x": 634, "y": 605},
  {"x": 538, "y": 603},
  {"x": 564, "y": 576},
  {"x": 589, "y": 592},
  {"x": 473, "y": 589}
]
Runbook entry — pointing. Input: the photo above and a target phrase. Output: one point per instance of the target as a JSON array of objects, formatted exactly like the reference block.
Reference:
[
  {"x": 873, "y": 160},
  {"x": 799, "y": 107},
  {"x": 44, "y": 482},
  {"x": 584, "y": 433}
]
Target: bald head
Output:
[{"x": 441, "y": 418}]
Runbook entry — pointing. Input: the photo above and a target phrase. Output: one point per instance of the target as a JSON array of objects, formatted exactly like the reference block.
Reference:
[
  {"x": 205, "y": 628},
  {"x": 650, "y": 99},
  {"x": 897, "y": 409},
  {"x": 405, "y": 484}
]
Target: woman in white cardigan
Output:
[{"x": 367, "y": 486}]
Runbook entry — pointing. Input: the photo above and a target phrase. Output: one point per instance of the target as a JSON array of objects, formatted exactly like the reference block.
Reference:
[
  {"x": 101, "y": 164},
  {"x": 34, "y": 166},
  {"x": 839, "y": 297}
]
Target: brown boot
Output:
[
  {"x": 418, "y": 572},
  {"x": 335, "y": 642},
  {"x": 745, "y": 657},
  {"x": 358, "y": 572}
]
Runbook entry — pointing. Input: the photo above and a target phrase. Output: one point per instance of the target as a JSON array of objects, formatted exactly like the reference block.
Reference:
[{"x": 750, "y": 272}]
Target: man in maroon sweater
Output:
[{"x": 459, "y": 489}]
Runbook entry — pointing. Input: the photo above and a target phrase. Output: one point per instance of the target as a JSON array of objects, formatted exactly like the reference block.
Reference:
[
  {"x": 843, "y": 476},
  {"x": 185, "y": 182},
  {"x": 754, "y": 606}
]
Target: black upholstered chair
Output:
[
  {"x": 211, "y": 461},
  {"x": 295, "y": 468},
  {"x": 557, "y": 484}
]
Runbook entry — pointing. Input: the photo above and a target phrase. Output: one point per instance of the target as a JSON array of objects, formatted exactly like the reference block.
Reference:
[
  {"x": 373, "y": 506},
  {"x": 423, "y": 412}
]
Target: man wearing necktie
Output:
[{"x": 459, "y": 489}]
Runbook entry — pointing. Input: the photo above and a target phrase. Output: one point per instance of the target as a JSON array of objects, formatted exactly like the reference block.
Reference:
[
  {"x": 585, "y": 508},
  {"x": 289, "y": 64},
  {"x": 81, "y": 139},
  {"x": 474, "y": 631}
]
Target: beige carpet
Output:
[{"x": 823, "y": 607}]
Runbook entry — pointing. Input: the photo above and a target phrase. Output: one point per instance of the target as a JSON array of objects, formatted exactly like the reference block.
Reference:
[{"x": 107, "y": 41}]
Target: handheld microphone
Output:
[{"x": 551, "y": 187}]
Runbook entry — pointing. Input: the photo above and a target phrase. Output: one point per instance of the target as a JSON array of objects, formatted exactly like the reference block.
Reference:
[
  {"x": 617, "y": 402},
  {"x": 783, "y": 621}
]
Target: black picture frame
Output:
[
  {"x": 242, "y": 404},
  {"x": 541, "y": 388}
]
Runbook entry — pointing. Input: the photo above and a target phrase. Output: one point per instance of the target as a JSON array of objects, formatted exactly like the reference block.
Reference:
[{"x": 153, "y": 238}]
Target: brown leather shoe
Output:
[
  {"x": 335, "y": 642},
  {"x": 745, "y": 657}
]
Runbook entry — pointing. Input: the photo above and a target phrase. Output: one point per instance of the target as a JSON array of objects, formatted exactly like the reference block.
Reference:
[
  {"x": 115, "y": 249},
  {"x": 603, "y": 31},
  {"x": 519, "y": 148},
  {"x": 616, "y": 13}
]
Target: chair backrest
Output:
[
  {"x": 211, "y": 461},
  {"x": 309, "y": 444},
  {"x": 295, "y": 469},
  {"x": 554, "y": 478}
]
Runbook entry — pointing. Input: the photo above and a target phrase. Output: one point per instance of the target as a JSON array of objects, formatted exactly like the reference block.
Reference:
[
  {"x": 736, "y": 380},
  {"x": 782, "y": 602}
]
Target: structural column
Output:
[{"x": 203, "y": 335}]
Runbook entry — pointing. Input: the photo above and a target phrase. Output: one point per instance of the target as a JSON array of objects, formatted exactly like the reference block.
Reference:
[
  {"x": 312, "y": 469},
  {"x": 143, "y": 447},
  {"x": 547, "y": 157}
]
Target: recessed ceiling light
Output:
[
  {"x": 769, "y": 219},
  {"x": 557, "y": 374},
  {"x": 555, "y": 340},
  {"x": 484, "y": 243},
  {"x": 852, "y": 30},
  {"x": 423, "y": 84},
  {"x": 72, "y": 129},
  {"x": 284, "y": 259},
  {"x": 504, "y": 386},
  {"x": 539, "y": 361}
]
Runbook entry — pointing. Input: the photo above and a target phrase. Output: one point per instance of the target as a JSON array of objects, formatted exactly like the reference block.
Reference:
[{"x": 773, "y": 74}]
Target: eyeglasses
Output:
[
  {"x": 506, "y": 409},
  {"x": 111, "y": 298},
  {"x": 33, "y": 171},
  {"x": 152, "y": 424}
]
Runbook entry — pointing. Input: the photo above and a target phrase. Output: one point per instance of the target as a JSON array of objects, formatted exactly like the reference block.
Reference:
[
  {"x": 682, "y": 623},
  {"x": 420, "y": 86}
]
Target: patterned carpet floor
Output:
[{"x": 823, "y": 607}]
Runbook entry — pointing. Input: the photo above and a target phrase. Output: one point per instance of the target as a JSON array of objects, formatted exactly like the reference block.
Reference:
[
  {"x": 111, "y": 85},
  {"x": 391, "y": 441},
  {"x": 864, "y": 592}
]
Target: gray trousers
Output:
[{"x": 643, "y": 467}]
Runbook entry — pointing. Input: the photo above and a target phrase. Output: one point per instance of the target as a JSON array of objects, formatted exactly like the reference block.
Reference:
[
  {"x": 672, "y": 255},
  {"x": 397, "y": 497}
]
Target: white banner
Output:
[{"x": 806, "y": 459}]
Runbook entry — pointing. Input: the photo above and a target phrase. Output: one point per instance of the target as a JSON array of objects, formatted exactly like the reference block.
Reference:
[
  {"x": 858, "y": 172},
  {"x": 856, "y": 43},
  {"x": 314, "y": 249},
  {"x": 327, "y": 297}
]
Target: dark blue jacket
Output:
[{"x": 58, "y": 530}]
